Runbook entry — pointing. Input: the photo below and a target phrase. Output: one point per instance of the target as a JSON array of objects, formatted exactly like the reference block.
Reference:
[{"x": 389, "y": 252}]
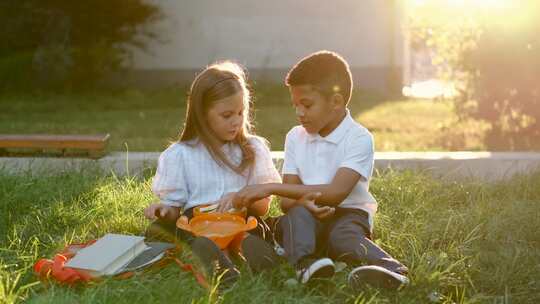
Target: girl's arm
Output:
[
  {"x": 287, "y": 203},
  {"x": 159, "y": 210},
  {"x": 331, "y": 194},
  {"x": 168, "y": 185},
  {"x": 260, "y": 207}
]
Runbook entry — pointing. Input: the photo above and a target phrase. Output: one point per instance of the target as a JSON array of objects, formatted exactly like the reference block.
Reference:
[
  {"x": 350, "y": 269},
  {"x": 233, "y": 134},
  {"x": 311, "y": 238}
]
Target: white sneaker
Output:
[
  {"x": 376, "y": 276},
  {"x": 314, "y": 268}
]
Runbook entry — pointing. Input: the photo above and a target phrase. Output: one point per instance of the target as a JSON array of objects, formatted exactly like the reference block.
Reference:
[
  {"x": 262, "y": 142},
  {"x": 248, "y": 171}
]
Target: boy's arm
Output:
[
  {"x": 331, "y": 194},
  {"x": 307, "y": 200}
]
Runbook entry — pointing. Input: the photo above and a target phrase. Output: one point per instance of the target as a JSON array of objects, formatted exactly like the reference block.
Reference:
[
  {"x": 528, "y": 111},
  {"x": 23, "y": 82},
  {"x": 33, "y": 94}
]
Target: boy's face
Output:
[{"x": 313, "y": 110}]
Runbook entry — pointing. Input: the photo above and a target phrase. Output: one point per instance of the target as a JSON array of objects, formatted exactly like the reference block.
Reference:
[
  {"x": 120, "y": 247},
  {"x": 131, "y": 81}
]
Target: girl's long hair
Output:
[{"x": 218, "y": 81}]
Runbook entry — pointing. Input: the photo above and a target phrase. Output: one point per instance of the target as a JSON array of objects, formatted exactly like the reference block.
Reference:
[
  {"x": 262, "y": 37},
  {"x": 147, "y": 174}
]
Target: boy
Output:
[{"x": 326, "y": 171}]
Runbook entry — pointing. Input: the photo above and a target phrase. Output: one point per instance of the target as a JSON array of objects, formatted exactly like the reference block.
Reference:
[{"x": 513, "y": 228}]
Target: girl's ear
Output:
[{"x": 337, "y": 100}]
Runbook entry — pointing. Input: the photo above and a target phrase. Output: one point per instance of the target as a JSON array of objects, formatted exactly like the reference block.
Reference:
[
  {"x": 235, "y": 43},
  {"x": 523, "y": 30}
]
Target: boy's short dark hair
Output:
[{"x": 327, "y": 71}]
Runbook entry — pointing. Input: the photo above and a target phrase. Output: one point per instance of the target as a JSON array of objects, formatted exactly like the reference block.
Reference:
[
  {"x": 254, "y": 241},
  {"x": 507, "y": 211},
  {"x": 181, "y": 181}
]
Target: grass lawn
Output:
[
  {"x": 148, "y": 121},
  {"x": 464, "y": 242}
]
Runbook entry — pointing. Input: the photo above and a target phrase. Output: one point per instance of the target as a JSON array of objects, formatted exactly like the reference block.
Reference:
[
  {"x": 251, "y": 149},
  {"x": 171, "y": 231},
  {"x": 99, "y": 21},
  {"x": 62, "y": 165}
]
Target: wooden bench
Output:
[{"x": 92, "y": 146}]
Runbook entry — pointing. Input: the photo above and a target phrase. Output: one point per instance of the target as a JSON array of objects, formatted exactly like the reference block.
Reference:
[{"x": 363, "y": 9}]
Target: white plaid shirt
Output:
[{"x": 187, "y": 176}]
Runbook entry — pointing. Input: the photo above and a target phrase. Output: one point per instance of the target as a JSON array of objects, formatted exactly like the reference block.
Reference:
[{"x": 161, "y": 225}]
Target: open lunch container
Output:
[{"x": 221, "y": 228}]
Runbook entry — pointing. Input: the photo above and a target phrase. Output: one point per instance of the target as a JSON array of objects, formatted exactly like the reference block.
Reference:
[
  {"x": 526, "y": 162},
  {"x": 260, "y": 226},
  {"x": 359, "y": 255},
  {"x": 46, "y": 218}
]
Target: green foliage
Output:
[
  {"x": 59, "y": 44},
  {"x": 507, "y": 86},
  {"x": 492, "y": 54}
]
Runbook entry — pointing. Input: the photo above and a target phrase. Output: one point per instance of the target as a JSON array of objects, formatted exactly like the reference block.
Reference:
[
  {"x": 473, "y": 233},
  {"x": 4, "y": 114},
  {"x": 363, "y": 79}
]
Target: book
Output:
[
  {"x": 209, "y": 208},
  {"x": 213, "y": 208},
  {"x": 154, "y": 253},
  {"x": 108, "y": 255}
]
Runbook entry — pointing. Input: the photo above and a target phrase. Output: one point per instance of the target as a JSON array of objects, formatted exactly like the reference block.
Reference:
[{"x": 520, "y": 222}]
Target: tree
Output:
[
  {"x": 59, "y": 43},
  {"x": 493, "y": 55}
]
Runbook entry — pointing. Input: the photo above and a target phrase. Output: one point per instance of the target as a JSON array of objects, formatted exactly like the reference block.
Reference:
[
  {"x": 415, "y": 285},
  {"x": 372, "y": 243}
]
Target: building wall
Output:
[{"x": 270, "y": 36}]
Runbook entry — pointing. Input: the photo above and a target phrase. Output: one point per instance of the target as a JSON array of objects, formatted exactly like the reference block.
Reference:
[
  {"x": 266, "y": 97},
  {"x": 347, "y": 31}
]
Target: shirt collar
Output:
[
  {"x": 224, "y": 147},
  {"x": 338, "y": 133}
]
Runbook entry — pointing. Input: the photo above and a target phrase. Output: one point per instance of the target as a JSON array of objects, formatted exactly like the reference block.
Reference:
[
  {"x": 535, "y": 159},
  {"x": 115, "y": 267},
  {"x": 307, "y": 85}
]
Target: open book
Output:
[{"x": 111, "y": 254}]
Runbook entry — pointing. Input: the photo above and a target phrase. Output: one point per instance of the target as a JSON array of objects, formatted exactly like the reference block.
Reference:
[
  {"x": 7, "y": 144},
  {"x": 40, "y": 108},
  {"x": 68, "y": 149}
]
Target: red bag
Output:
[{"x": 55, "y": 270}]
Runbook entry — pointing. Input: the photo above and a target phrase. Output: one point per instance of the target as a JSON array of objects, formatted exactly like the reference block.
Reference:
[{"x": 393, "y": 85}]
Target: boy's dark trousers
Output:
[{"x": 343, "y": 237}]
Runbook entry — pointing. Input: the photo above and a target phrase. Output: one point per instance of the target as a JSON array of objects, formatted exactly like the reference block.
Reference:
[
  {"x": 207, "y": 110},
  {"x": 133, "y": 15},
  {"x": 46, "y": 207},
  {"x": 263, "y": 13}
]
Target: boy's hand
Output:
[
  {"x": 159, "y": 210},
  {"x": 320, "y": 212},
  {"x": 250, "y": 194},
  {"x": 329, "y": 212}
]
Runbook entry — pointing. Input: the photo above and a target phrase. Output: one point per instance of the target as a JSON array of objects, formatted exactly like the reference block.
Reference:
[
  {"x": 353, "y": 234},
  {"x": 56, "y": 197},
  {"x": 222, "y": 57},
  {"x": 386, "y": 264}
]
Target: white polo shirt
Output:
[{"x": 316, "y": 159}]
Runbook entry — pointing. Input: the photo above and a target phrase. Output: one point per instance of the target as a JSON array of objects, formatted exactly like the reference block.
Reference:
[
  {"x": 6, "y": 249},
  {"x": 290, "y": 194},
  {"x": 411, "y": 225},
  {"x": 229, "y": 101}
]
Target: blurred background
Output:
[
  {"x": 441, "y": 75},
  {"x": 430, "y": 75}
]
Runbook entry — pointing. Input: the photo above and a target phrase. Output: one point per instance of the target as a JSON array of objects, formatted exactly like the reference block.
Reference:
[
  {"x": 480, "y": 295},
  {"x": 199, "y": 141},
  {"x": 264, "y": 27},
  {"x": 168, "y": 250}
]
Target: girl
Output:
[{"x": 215, "y": 156}]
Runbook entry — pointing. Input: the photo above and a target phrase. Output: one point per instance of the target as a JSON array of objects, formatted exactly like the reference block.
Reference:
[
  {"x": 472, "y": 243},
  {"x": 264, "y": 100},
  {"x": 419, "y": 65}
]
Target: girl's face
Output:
[{"x": 226, "y": 117}]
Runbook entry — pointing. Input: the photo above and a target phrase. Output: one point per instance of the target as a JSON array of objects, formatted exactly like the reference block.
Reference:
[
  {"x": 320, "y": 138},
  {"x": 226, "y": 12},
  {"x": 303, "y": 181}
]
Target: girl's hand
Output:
[
  {"x": 250, "y": 194},
  {"x": 159, "y": 210},
  {"x": 225, "y": 202}
]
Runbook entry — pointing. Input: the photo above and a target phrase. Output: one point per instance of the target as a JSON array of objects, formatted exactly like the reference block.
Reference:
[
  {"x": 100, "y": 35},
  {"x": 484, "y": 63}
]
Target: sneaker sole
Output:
[
  {"x": 376, "y": 276},
  {"x": 323, "y": 268}
]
